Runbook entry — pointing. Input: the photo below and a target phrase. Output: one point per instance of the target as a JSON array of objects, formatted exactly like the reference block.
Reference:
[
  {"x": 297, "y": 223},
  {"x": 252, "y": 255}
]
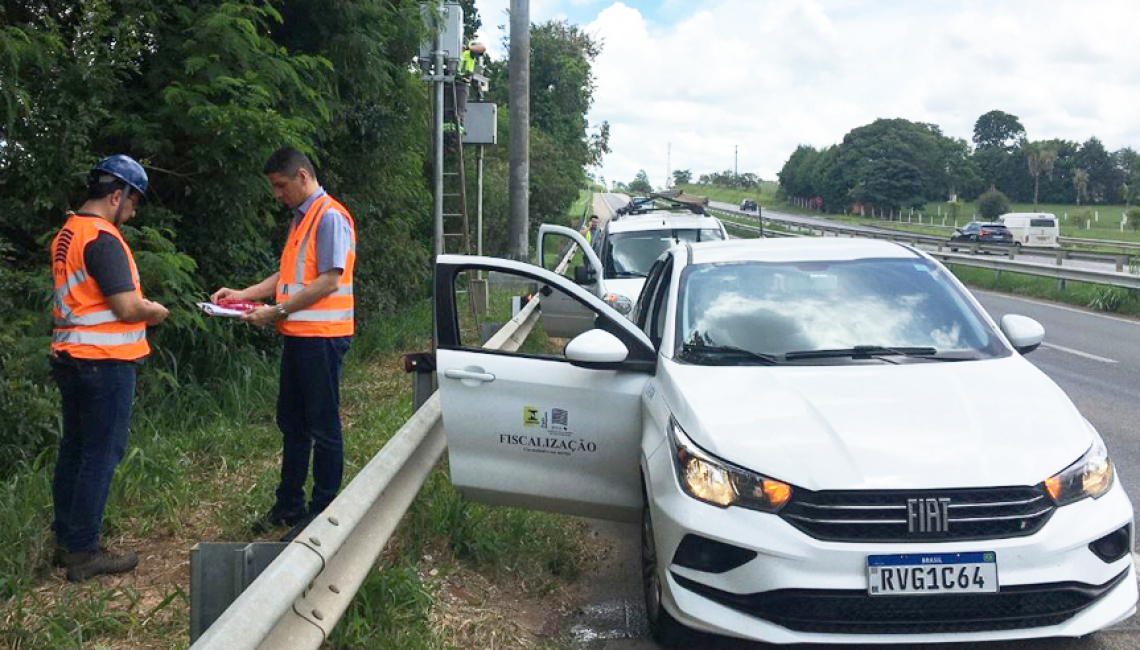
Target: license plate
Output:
[{"x": 917, "y": 574}]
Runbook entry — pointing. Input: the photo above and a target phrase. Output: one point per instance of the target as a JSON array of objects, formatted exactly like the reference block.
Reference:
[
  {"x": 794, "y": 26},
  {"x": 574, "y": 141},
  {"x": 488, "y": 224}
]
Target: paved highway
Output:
[{"x": 1094, "y": 357}]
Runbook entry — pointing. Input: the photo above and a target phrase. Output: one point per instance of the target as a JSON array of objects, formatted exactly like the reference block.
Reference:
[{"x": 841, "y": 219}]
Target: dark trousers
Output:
[
  {"x": 96, "y": 415},
  {"x": 308, "y": 414}
]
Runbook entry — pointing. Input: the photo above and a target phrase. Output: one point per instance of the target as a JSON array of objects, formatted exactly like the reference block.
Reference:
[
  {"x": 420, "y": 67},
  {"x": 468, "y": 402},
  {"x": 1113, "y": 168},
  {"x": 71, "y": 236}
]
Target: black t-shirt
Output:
[{"x": 107, "y": 262}]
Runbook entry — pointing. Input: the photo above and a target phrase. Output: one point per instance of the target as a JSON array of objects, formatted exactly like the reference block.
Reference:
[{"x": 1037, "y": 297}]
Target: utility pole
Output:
[
  {"x": 518, "y": 241},
  {"x": 669, "y": 166},
  {"x": 437, "y": 138},
  {"x": 735, "y": 159}
]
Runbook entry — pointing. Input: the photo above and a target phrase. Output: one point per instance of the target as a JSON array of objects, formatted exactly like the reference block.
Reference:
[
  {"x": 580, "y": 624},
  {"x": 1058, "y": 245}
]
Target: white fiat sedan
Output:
[{"x": 796, "y": 425}]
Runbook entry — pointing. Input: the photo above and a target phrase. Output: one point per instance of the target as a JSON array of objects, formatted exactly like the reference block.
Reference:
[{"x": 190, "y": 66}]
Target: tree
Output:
[
  {"x": 1080, "y": 183},
  {"x": 997, "y": 129},
  {"x": 682, "y": 176},
  {"x": 1103, "y": 178},
  {"x": 992, "y": 205},
  {"x": 1041, "y": 161},
  {"x": 640, "y": 183}
]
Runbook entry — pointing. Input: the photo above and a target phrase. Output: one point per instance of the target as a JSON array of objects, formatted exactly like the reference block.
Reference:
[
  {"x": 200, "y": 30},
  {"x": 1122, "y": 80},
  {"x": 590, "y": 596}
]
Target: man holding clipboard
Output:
[{"x": 313, "y": 288}]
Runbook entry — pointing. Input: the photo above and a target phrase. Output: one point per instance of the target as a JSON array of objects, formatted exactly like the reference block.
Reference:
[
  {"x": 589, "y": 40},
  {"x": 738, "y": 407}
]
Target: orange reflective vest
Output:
[
  {"x": 85, "y": 326},
  {"x": 332, "y": 315}
]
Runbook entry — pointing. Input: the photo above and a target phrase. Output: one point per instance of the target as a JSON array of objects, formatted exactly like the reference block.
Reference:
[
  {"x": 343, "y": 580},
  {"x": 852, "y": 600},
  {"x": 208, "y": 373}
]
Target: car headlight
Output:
[
  {"x": 1090, "y": 476},
  {"x": 619, "y": 302},
  {"x": 714, "y": 481}
]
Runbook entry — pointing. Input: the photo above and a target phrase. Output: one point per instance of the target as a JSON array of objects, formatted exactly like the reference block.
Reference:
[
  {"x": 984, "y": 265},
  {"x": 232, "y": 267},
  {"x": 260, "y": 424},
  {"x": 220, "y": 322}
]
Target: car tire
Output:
[{"x": 664, "y": 629}]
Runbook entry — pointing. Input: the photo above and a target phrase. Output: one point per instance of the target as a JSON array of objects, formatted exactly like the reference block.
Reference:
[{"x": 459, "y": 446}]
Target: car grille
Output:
[
  {"x": 882, "y": 516},
  {"x": 854, "y": 612}
]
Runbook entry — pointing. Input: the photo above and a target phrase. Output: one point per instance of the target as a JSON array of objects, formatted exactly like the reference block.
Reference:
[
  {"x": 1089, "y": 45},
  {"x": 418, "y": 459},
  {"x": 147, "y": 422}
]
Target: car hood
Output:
[
  {"x": 881, "y": 426},
  {"x": 628, "y": 287}
]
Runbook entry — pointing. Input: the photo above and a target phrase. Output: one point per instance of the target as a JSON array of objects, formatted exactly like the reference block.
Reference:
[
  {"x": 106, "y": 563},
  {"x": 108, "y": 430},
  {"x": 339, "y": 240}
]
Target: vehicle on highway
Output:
[
  {"x": 1032, "y": 228},
  {"x": 797, "y": 426},
  {"x": 748, "y": 205},
  {"x": 981, "y": 232},
  {"x": 623, "y": 253}
]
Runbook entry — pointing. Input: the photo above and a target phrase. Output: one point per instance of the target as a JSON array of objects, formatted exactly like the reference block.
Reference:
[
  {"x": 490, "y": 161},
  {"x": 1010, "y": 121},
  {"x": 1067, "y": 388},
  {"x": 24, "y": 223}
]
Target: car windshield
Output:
[
  {"x": 831, "y": 312},
  {"x": 632, "y": 254}
]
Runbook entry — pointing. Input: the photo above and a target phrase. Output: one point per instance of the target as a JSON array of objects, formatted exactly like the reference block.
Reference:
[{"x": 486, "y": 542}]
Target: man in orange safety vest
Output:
[{"x": 313, "y": 291}]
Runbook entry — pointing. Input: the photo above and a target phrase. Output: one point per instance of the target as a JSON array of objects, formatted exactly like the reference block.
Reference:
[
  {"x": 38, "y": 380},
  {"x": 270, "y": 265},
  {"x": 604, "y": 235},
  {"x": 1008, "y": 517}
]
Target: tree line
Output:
[
  {"x": 892, "y": 164},
  {"x": 201, "y": 92}
]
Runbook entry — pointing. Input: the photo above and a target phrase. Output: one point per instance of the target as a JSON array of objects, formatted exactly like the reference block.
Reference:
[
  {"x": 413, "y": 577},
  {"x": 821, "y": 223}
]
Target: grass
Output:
[
  {"x": 1092, "y": 296},
  {"x": 203, "y": 462},
  {"x": 765, "y": 197}
]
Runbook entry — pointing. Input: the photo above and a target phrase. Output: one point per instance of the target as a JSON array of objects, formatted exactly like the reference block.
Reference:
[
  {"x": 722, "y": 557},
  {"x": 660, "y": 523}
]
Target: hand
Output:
[
  {"x": 261, "y": 316},
  {"x": 226, "y": 292},
  {"x": 156, "y": 313}
]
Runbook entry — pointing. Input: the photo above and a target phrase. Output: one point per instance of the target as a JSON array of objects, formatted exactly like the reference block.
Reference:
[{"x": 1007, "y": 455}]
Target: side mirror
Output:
[
  {"x": 582, "y": 274},
  {"x": 1023, "y": 332},
  {"x": 596, "y": 348}
]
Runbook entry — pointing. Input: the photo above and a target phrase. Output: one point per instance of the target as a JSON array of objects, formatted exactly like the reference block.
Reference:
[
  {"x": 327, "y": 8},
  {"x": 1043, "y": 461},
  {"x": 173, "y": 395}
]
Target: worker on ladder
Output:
[{"x": 463, "y": 79}]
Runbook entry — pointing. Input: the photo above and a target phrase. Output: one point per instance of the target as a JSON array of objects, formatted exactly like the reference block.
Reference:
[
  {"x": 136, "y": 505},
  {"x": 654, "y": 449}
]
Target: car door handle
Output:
[{"x": 455, "y": 373}]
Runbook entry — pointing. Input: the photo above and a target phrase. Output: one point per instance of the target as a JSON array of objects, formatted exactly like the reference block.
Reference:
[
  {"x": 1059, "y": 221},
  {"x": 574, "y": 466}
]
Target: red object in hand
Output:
[{"x": 240, "y": 305}]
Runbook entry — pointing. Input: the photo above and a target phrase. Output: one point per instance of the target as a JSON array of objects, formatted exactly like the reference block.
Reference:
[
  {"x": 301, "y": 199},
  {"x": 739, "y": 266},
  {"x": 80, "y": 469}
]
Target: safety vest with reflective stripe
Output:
[
  {"x": 332, "y": 315},
  {"x": 85, "y": 326}
]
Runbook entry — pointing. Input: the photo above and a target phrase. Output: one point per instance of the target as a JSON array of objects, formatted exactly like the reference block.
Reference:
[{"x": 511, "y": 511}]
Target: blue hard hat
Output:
[{"x": 124, "y": 168}]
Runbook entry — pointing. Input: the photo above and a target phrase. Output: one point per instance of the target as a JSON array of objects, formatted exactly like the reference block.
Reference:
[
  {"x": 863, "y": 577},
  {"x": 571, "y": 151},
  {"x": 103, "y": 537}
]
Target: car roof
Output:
[
  {"x": 800, "y": 249},
  {"x": 660, "y": 220}
]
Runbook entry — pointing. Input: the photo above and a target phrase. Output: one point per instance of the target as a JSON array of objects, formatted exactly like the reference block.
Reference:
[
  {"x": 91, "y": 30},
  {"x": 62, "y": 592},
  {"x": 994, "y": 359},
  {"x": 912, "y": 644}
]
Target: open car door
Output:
[
  {"x": 563, "y": 316},
  {"x": 554, "y": 426}
]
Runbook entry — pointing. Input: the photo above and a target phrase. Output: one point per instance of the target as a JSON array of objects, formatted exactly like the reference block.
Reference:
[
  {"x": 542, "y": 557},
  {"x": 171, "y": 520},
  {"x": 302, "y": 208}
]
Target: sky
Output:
[{"x": 689, "y": 84}]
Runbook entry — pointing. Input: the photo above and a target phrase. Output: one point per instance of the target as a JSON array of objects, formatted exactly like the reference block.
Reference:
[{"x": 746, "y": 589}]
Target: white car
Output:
[
  {"x": 616, "y": 264},
  {"x": 796, "y": 425}
]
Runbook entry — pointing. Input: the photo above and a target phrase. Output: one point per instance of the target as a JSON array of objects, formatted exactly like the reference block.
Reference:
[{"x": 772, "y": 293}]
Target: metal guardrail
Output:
[
  {"x": 1055, "y": 271},
  {"x": 300, "y": 597},
  {"x": 1121, "y": 260}
]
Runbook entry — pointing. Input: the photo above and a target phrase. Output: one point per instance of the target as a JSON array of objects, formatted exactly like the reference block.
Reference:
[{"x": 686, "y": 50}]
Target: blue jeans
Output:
[
  {"x": 96, "y": 415},
  {"x": 308, "y": 414}
]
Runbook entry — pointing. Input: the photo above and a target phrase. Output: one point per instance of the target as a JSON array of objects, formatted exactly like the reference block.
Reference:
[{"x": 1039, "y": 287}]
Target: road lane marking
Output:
[
  {"x": 1075, "y": 310},
  {"x": 1078, "y": 353}
]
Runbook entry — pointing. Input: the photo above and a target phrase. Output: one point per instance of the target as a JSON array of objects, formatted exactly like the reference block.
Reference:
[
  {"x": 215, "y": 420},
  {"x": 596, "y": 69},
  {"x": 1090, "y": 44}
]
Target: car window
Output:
[
  {"x": 1042, "y": 223},
  {"x": 646, "y": 298},
  {"x": 776, "y": 308},
  {"x": 485, "y": 304},
  {"x": 631, "y": 254}
]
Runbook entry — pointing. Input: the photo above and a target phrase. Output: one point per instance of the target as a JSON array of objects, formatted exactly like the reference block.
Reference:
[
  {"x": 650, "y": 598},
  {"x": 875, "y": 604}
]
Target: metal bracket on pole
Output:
[{"x": 422, "y": 364}]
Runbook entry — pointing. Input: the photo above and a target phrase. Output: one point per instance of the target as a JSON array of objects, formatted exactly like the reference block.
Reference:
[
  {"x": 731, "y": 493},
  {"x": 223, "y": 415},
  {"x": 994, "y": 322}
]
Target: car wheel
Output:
[{"x": 664, "y": 629}]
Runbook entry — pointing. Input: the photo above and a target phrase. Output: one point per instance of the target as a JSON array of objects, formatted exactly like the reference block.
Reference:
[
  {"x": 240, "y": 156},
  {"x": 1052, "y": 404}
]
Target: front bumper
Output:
[{"x": 798, "y": 589}]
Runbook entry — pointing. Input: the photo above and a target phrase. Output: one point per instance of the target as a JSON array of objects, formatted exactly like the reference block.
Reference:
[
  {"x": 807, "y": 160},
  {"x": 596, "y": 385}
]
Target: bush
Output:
[
  {"x": 953, "y": 209},
  {"x": 1081, "y": 217},
  {"x": 1134, "y": 218},
  {"x": 992, "y": 205}
]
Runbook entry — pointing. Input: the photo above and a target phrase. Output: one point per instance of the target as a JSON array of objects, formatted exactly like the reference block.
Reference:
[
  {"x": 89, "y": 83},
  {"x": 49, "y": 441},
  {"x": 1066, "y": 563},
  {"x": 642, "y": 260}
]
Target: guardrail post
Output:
[
  {"x": 422, "y": 367},
  {"x": 1120, "y": 263},
  {"x": 1060, "y": 281}
]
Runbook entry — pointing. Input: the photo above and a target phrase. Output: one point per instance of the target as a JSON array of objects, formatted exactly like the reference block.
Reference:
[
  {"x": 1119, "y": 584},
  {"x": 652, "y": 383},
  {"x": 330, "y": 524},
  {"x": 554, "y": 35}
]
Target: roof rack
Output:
[{"x": 671, "y": 200}]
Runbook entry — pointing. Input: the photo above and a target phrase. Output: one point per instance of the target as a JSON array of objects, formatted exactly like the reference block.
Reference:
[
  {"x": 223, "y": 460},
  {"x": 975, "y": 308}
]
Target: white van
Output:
[{"x": 1038, "y": 229}]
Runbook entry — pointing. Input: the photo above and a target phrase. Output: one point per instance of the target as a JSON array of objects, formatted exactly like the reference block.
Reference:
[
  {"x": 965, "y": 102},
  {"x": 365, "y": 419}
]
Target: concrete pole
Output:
[
  {"x": 520, "y": 129},
  {"x": 437, "y": 139},
  {"x": 479, "y": 199}
]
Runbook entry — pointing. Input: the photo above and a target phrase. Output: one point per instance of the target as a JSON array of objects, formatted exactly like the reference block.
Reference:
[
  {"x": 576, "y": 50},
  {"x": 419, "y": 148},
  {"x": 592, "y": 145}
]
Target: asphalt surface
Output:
[{"x": 1093, "y": 357}]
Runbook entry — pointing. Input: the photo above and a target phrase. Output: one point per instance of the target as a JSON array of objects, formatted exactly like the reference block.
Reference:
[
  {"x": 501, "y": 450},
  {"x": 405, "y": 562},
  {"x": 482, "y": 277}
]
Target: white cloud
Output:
[{"x": 768, "y": 75}]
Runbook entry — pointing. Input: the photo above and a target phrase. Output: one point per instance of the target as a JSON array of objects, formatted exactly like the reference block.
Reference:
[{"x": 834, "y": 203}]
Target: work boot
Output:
[
  {"x": 84, "y": 565},
  {"x": 276, "y": 518},
  {"x": 299, "y": 526}
]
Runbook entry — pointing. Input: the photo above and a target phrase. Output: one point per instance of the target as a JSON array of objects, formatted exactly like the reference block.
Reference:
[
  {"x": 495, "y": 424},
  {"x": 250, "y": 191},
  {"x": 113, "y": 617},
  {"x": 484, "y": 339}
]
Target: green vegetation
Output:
[
  {"x": 1092, "y": 296},
  {"x": 992, "y": 205},
  {"x": 201, "y": 93},
  {"x": 766, "y": 197},
  {"x": 200, "y": 471},
  {"x": 893, "y": 165}
]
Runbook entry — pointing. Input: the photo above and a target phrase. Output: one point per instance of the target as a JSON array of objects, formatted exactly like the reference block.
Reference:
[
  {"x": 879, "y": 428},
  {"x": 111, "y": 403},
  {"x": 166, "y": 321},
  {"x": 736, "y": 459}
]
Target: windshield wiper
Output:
[
  {"x": 724, "y": 352},
  {"x": 863, "y": 352}
]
